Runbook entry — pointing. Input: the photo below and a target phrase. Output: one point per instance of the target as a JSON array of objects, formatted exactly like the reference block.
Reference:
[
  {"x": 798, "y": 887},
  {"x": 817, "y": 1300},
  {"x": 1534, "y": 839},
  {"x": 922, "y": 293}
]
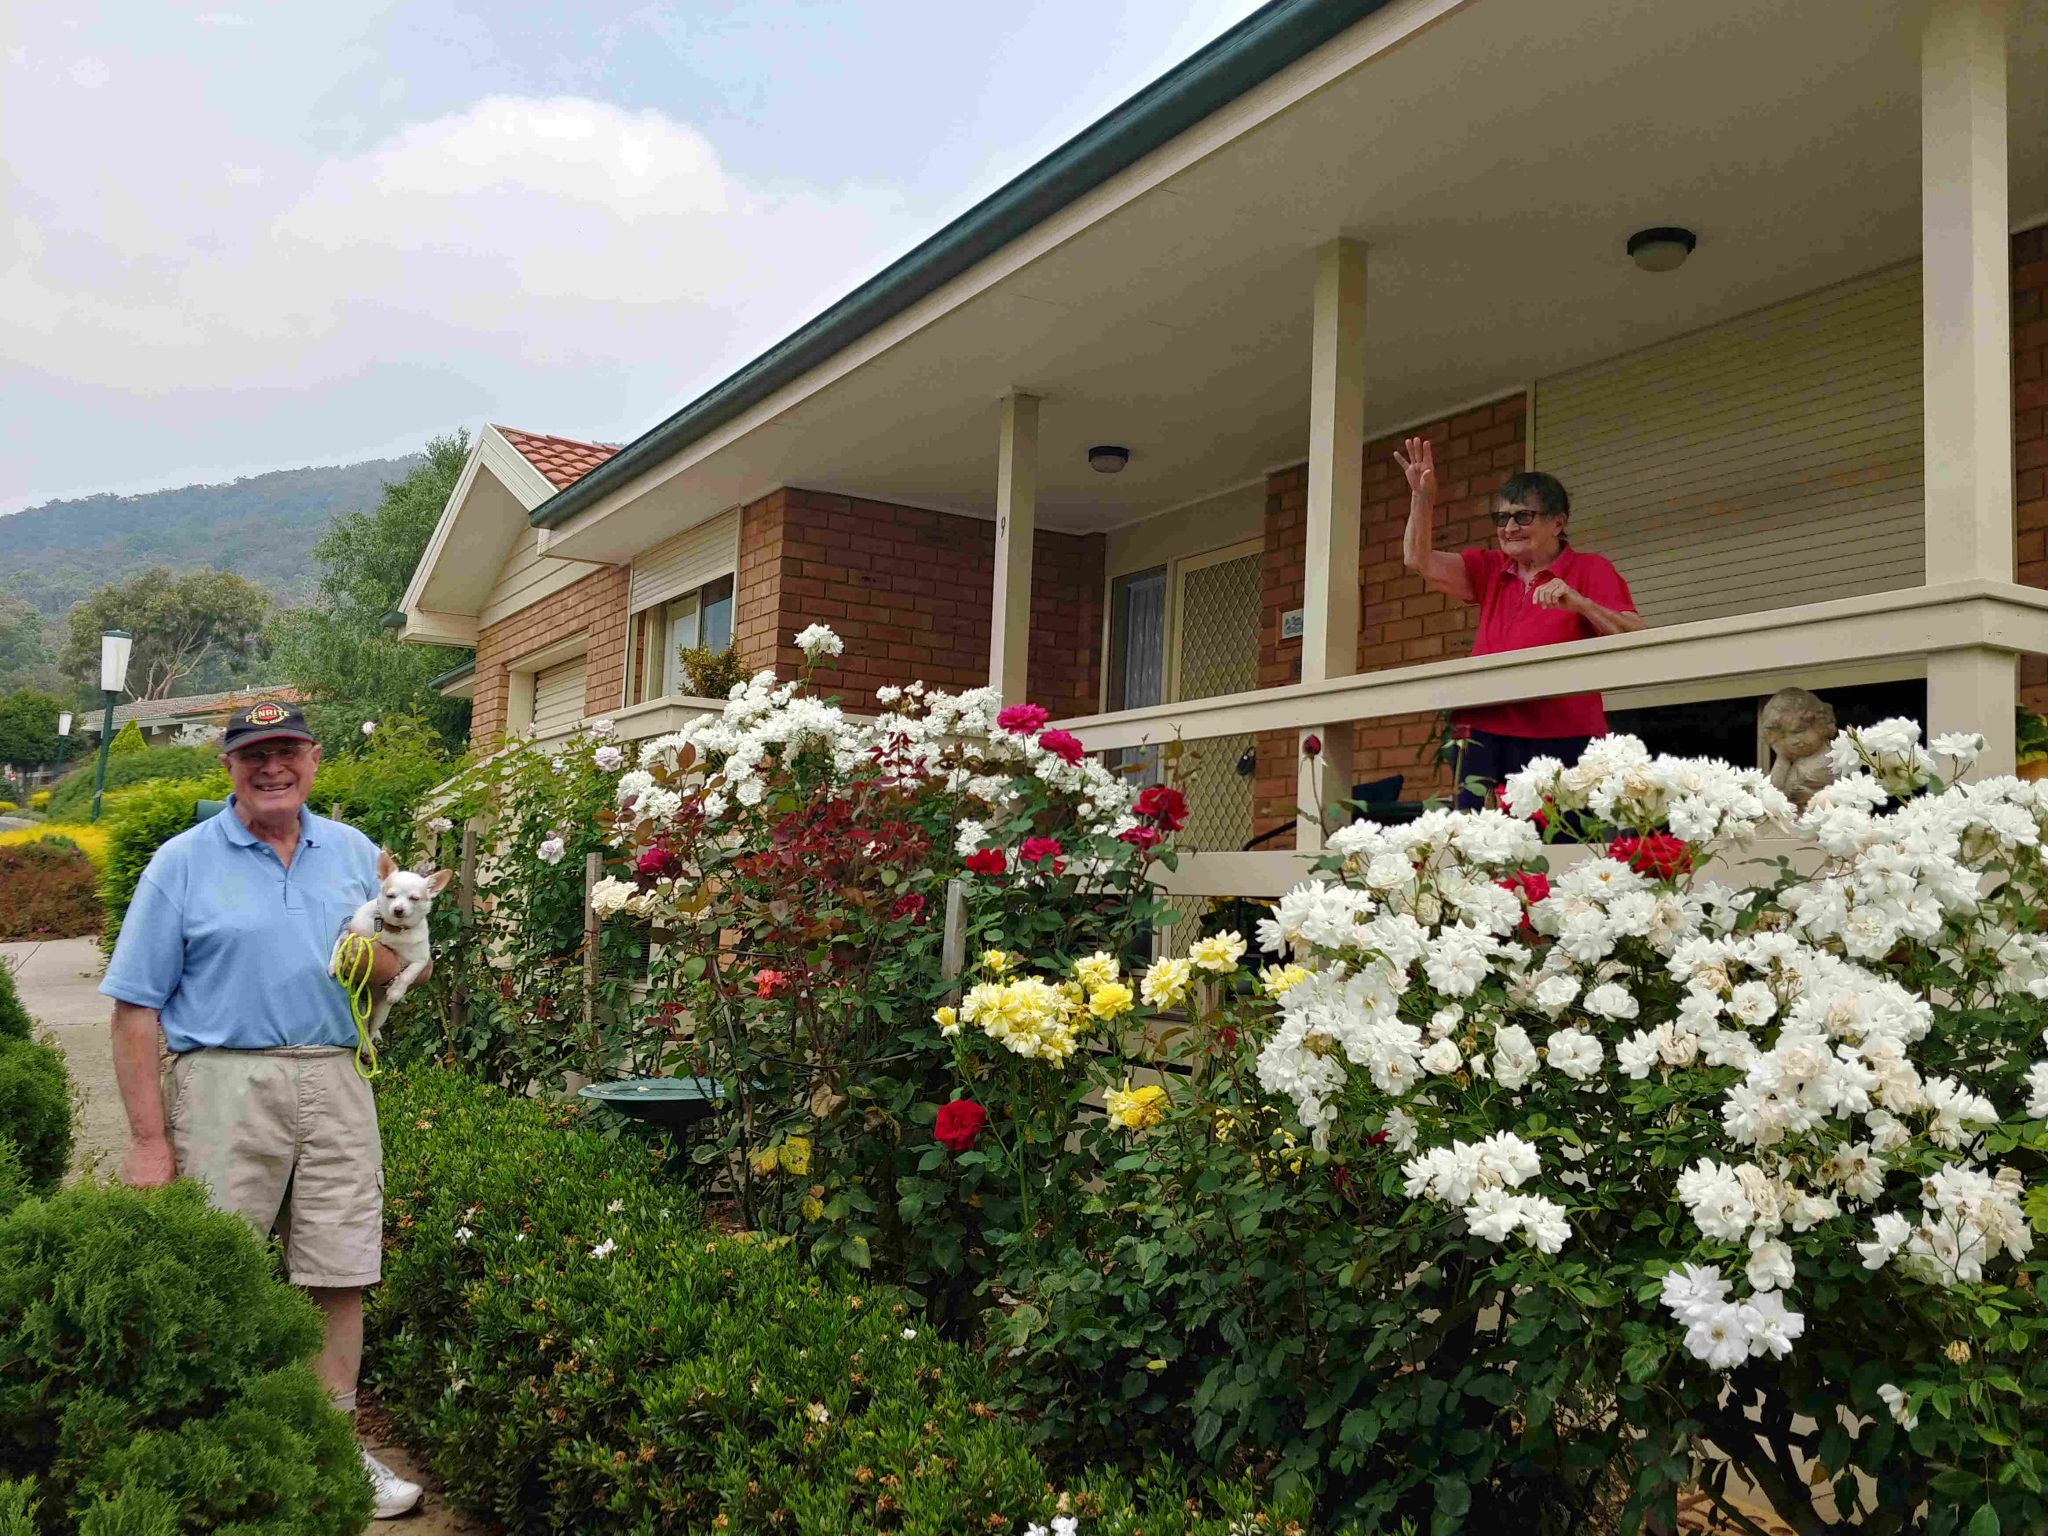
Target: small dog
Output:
[{"x": 395, "y": 917}]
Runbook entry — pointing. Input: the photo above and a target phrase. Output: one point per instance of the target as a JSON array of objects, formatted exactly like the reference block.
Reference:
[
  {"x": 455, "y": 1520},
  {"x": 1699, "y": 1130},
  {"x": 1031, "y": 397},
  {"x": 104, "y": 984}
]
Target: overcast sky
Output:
[{"x": 249, "y": 238}]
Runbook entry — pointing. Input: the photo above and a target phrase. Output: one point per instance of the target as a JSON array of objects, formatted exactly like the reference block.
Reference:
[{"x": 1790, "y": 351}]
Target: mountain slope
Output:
[{"x": 262, "y": 527}]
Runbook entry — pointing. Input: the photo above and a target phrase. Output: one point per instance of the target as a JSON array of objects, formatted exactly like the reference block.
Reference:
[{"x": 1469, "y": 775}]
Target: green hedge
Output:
[
  {"x": 71, "y": 800},
  {"x": 681, "y": 1374},
  {"x": 35, "y": 1110},
  {"x": 153, "y": 1376},
  {"x": 15, "y": 1024},
  {"x": 140, "y": 821}
]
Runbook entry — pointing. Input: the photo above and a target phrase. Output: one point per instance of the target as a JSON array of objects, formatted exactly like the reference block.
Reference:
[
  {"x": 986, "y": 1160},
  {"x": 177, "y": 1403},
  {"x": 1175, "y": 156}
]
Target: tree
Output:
[
  {"x": 25, "y": 657},
  {"x": 28, "y": 727},
  {"x": 198, "y": 628},
  {"x": 338, "y": 653}
]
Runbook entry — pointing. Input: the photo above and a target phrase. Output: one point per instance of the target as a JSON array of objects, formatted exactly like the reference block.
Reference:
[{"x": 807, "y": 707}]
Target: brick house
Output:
[{"x": 1816, "y": 446}]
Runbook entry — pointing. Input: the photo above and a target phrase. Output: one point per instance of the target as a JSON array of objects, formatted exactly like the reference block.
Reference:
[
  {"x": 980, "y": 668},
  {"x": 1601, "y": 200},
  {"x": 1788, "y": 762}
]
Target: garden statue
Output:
[{"x": 1797, "y": 727}]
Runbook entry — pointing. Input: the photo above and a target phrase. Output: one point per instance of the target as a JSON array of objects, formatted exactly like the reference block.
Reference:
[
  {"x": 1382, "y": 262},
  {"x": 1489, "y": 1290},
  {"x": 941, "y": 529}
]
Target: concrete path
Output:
[{"x": 59, "y": 983}]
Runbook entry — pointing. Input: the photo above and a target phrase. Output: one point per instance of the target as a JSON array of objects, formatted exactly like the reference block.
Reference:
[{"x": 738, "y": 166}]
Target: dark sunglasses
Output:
[{"x": 1521, "y": 517}]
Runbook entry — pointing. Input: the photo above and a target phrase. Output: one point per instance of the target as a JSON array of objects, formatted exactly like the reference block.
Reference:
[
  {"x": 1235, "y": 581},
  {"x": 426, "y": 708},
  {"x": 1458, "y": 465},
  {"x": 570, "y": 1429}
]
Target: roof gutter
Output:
[{"x": 1257, "y": 48}]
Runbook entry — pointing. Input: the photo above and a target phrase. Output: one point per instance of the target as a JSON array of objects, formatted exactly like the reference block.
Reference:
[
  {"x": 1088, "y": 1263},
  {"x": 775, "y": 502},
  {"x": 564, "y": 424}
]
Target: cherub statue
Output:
[{"x": 1797, "y": 727}]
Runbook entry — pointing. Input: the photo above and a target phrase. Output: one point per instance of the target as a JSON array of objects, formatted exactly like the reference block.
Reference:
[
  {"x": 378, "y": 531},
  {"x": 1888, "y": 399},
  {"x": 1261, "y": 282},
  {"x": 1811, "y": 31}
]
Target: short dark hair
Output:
[{"x": 1548, "y": 490}]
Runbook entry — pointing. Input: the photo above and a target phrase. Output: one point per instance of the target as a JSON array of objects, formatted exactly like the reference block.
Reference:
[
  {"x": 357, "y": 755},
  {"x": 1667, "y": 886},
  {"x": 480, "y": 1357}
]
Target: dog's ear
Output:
[
  {"x": 386, "y": 865},
  {"x": 438, "y": 881}
]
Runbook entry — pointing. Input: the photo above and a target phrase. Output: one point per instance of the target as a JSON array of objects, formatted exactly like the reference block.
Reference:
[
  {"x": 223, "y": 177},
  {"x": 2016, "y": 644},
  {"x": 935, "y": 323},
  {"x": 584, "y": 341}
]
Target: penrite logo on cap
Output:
[{"x": 267, "y": 714}]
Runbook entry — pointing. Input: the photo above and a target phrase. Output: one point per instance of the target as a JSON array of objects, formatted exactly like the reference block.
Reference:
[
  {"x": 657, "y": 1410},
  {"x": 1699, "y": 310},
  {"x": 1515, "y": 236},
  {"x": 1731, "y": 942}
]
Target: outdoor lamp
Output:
[
  {"x": 1662, "y": 249},
  {"x": 115, "y": 645},
  {"x": 63, "y": 738},
  {"x": 1108, "y": 459}
]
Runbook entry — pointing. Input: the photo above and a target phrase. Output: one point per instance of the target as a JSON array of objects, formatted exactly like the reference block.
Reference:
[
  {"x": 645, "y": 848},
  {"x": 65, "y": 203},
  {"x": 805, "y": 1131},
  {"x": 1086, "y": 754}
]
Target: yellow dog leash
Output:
[{"x": 358, "y": 958}]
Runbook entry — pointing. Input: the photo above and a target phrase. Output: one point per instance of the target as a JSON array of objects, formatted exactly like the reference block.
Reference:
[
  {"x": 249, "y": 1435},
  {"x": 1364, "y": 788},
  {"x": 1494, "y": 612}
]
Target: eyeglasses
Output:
[
  {"x": 1521, "y": 517},
  {"x": 261, "y": 756}
]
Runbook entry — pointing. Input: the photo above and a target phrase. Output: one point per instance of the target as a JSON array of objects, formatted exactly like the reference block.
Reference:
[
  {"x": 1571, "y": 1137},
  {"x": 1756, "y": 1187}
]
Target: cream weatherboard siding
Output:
[
  {"x": 687, "y": 561},
  {"x": 526, "y": 577},
  {"x": 1770, "y": 461},
  {"x": 558, "y": 697}
]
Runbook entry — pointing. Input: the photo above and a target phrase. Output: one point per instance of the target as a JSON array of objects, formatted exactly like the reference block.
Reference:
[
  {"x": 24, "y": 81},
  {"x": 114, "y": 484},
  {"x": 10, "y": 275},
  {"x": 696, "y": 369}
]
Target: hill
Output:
[{"x": 262, "y": 527}]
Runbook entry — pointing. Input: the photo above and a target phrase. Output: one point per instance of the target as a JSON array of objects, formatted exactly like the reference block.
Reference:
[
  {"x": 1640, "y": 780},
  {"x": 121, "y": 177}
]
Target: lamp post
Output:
[
  {"x": 63, "y": 739},
  {"x": 115, "y": 645}
]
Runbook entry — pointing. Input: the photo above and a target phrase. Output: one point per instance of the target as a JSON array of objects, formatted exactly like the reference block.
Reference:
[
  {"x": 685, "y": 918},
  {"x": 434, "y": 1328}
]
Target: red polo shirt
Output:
[{"x": 1508, "y": 621}]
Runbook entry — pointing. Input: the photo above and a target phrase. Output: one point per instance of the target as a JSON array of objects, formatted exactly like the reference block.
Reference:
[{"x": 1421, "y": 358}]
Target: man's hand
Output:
[
  {"x": 148, "y": 1164},
  {"x": 1555, "y": 594},
  {"x": 385, "y": 966},
  {"x": 1419, "y": 465}
]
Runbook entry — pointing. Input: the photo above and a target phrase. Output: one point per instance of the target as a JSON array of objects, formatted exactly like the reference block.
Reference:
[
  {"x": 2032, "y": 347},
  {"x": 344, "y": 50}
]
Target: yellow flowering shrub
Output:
[{"x": 1136, "y": 1109}]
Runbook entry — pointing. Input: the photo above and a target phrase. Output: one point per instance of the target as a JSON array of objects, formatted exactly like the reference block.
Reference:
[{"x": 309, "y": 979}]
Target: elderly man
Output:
[
  {"x": 1533, "y": 590},
  {"x": 223, "y": 959}
]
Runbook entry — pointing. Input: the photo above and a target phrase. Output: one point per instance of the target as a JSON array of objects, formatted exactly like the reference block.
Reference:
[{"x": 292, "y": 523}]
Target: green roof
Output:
[{"x": 1257, "y": 48}]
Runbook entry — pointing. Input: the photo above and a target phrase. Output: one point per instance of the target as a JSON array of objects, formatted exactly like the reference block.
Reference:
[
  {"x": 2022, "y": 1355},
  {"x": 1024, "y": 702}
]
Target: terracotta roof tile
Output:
[{"x": 563, "y": 460}]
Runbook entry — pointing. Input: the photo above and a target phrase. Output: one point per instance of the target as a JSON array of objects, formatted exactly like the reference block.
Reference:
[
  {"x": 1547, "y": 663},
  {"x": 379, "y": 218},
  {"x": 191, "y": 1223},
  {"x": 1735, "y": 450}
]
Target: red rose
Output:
[
  {"x": 1023, "y": 719},
  {"x": 909, "y": 905},
  {"x": 1164, "y": 804},
  {"x": 1036, "y": 850},
  {"x": 985, "y": 861},
  {"x": 1659, "y": 854},
  {"x": 1063, "y": 745},
  {"x": 768, "y": 983},
  {"x": 1312, "y": 746},
  {"x": 1530, "y": 886},
  {"x": 658, "y": 862},
  {"x": 960, "y": 1125},
  {"x": 1227, "y": 1037},
  {"x": 1376, "y": 1139},
  {"x": 1340, "y": 1179},
  {"x": 1141, "y": 837}
]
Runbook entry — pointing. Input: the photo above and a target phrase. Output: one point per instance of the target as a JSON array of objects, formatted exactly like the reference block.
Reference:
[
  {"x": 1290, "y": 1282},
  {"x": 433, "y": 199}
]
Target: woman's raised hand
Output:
[{"x": 1419, "y": 465}]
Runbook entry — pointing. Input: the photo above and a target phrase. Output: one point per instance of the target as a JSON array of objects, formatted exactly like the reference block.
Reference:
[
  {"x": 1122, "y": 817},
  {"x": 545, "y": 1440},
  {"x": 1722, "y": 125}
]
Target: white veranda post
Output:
[
  {"x": 1967, "y": 335},
  {"x": 1009, "y": 642},
  {"x": 1336, "y": 469}
]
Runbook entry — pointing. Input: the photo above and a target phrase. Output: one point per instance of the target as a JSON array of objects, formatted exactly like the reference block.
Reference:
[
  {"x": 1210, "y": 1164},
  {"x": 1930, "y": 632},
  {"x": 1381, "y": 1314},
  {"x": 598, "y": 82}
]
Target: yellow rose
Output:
[
  {"x": 1111, "y": 1000},
  {"x": 796, "y": 1155},
  {"x": 1166, "y": 983},
  {"x": 948, "y": 1020},
  {"x": 1135, "y": 1109},
  {"x": 1219, "y": 952},
  {"x": 1097, "y": 970},
  {"x": 997, "y": 962},
  {"x": 1279, "y": 980}
]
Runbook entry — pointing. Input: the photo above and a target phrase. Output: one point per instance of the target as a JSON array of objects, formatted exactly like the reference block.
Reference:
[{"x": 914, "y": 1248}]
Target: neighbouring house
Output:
[
  {"x": 1816, "y": 446},
  {"x": 193, "y": 720}
]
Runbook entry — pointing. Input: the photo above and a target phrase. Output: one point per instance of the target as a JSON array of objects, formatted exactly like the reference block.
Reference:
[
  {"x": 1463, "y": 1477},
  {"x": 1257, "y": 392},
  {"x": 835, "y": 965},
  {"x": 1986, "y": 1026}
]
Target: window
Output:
[
  {"x": 663, "y": 632},
  {"x": 1137, "y": 661}
]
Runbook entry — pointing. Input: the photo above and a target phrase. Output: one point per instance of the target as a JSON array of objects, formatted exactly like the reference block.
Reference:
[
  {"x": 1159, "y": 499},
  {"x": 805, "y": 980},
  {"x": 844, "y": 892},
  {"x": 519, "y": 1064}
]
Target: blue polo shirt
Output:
[{"x": 231, "y": 948}]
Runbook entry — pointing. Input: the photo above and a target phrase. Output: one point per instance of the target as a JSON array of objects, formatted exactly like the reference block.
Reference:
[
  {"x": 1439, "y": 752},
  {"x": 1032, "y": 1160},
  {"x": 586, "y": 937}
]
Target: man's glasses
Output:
[
  {"x": 258, "y": 757},
  {"x": 1521, "y": 517}
]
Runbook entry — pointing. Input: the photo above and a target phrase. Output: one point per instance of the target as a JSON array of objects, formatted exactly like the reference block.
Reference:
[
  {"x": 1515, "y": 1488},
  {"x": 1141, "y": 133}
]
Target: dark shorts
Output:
[{"x": 1491, "y": 757}]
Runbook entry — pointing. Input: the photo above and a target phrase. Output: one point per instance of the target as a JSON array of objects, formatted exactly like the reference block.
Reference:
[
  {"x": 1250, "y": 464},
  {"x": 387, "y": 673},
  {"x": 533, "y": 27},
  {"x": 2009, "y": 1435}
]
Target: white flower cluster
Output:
[
  {"x": 1480, "y": 1179},
  {"x": 1722, "y": 1332},
  {"x": 1698, "y": 798}
]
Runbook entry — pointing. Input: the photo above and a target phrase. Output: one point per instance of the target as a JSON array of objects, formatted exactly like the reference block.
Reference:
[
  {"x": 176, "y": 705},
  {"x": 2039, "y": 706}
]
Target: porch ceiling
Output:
[{"x": 1494, "y": 162}]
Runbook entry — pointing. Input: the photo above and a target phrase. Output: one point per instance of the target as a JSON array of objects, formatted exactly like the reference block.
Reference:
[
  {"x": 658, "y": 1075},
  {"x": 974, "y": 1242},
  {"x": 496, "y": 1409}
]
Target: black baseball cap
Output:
[{"x": 271, "y": 720}]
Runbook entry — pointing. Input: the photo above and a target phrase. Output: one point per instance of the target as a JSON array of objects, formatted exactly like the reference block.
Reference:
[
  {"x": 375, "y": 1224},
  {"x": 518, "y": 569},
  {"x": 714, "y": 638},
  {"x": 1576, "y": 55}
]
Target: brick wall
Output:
[
  {"x": 1401, "y": 622},
  {"x": 2030, "y": 432},
  {"x": 909, "y": 591},
  {"x": 596, "y": 606}
]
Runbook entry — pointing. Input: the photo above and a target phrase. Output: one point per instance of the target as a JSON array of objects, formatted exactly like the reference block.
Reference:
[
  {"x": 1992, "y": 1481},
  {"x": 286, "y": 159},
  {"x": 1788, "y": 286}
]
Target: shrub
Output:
[
  {"x": 153, "y": 1375},
  {"x": 709, "y": 674},
  {"x": 13, "y": 1177},
  {"x": 139, "y": 821},
  {"x": 573, "y": 1352},
  {"x": 15, "y": 1023},
  {"x": 35, "y": 1107},
  {"x": 89, "y": 838},
  {"x": 128, "y": 741},
  {"x": 7, "y": 807},
  {"x": 39, "y": 800},
  {"x": 379, "y": 790},
  {"x": 51, "y": 891},
  {"x": 71, "y": 799}
]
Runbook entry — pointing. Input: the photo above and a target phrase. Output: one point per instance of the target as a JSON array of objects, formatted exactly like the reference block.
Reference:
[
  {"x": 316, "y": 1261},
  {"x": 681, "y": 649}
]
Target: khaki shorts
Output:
[{"x": 286, "y": 1139}]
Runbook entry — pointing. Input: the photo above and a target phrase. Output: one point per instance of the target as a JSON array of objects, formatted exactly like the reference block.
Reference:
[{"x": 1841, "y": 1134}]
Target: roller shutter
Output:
[
  {"x": 687, "y": 561},
  {"x": 558, "y": 698},
  {"x": 1766, "y": 462}
]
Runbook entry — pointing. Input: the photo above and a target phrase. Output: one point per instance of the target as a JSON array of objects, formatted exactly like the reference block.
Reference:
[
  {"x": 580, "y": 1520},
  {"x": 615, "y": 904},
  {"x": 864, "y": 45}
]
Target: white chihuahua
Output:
[{"x": 395, "y": 917}]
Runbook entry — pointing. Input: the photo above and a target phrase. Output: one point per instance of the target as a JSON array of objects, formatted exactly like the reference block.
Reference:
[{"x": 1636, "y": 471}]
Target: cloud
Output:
[{"x": 558, "y": 232}]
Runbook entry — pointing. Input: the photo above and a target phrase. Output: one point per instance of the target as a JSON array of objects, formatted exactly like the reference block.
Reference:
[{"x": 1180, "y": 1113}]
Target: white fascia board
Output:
[
  {"x": 1377, "y": 34},
  {"x": 424, "y": 626}
]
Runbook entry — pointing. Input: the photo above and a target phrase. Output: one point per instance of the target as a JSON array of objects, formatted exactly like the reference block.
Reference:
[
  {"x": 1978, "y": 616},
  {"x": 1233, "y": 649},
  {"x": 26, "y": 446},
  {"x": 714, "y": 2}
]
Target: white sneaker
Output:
[{"x": 390, "y": 1494}]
